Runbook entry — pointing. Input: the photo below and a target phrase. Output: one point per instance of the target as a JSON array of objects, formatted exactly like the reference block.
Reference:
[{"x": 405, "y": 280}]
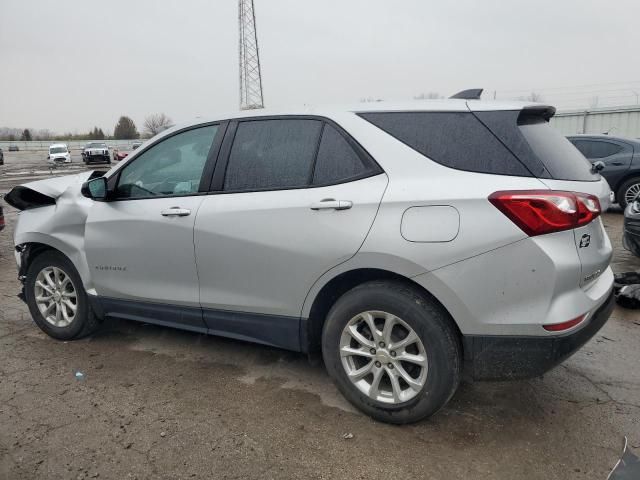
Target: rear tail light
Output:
[
  {"x": 559, "y": 327},
  {"x": 2, "y": 224},
  {"x": 538, "y": 212}
]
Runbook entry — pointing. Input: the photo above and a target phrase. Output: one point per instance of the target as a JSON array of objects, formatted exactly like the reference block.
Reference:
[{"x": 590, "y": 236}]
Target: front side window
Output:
[
  {"x": 172, "y": 167},
  {"x": 272, "y": 154}
]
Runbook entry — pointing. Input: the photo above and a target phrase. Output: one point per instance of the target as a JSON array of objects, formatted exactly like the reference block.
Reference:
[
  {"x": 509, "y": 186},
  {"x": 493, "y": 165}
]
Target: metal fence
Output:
[
  {"x": 74, "y": 146},
  {"x": 616, "y": 121}
]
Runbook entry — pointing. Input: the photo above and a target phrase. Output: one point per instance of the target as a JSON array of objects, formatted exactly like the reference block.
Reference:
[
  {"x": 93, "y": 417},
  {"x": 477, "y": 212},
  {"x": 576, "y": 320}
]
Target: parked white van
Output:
[{"x": 59, "y": 153}]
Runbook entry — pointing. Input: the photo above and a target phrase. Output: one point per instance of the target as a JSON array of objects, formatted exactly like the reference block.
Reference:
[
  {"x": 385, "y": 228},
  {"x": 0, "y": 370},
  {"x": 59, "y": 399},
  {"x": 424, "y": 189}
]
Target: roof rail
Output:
[{"x": 470, "y": 94}]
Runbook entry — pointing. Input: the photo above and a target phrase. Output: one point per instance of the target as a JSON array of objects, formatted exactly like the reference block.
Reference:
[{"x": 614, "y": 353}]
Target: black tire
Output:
[
  {"x": 85, "y": 322},
  {"x": 432, "y": 324},
  {"x": 620, "y": 195}
]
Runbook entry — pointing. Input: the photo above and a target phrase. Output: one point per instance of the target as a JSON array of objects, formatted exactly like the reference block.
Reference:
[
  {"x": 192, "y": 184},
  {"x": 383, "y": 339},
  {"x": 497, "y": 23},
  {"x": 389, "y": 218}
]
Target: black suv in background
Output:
[
  {"x": 1, "y": 157},
  {"x": 621, "y": 158}
]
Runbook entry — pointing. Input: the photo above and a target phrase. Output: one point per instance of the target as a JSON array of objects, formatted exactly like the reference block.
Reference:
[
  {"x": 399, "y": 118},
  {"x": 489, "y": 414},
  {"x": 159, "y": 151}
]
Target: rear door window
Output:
[
  {"x": 272, "y": 154},
  {"x": 597, "y": 149},
  {"x": 337, "y": 161}
]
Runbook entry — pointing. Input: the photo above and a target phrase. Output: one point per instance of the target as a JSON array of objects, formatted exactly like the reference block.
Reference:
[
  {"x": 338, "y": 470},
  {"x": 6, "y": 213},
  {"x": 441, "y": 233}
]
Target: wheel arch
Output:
[
  {"x": 333, "y": 289},
  {"x": 34, "y": 244}
]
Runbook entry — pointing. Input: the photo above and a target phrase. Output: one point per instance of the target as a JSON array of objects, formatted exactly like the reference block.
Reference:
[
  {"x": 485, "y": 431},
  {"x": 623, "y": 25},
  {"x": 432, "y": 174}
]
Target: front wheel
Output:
[
  {"x": 628, "y": 192},
  {"x": 56, "y": 298},
  {"x": 392, "y": 351}
]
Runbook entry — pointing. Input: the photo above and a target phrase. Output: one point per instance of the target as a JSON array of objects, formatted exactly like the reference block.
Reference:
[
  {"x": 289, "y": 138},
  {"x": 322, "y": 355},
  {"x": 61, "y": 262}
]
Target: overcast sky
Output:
[{"x": 68, "y": 65}]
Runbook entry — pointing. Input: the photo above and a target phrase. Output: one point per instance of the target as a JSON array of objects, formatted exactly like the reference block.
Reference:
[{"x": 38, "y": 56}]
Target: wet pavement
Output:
[{"x": 160, "y": 403}]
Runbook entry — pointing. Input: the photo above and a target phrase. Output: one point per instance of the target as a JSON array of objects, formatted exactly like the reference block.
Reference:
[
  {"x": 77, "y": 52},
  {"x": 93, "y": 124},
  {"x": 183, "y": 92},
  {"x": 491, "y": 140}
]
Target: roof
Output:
[
  {"x": 58, "y": 145},
  {"x": 427, "y": 105}
]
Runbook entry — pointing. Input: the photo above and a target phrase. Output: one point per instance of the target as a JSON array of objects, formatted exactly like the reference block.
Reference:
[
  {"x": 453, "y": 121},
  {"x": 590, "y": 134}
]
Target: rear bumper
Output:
[{"x": 511, "y": 357}]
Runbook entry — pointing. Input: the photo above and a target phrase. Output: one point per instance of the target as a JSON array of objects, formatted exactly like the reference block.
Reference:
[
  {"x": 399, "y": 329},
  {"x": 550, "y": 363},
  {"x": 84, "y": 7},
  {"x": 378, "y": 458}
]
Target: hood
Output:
[{"x": 45, "y": 192}]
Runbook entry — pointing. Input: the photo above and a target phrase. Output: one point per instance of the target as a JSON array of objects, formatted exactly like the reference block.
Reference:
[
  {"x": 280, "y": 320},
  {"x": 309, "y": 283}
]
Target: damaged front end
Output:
[{"x": 53, "y": 215}]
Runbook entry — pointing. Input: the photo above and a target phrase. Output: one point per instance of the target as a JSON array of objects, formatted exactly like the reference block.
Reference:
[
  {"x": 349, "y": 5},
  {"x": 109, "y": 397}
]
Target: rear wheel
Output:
[
  {"x": 392, "y": 351},
  {"x": 56, "y": 298},
  {"x": 628, "y": 191}
]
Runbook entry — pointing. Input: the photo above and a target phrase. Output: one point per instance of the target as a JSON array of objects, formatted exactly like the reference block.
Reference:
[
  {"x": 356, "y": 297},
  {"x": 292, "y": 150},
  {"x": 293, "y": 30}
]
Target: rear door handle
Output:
[
  {"x": 175, "y": 212},
  {"x": 332, "y": 204}
]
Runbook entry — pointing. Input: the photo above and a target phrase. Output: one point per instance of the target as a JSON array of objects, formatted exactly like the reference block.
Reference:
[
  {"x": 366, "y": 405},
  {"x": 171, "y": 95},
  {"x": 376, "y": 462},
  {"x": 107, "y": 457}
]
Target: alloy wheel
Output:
[
  {"x": 383, "y": 357},
  {"x": 56, "y": 296},
  {"x": 632, "y": 192}
]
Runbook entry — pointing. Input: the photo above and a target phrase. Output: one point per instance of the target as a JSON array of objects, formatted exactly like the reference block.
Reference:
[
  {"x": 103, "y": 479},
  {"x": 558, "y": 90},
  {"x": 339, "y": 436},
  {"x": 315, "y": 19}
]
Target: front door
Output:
[{"x": 139, "y": 244}]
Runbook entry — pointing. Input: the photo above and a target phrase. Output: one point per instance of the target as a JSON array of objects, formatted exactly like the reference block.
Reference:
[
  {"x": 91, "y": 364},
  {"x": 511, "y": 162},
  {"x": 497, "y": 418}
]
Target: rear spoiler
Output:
[{"x": 534, "y": 113}]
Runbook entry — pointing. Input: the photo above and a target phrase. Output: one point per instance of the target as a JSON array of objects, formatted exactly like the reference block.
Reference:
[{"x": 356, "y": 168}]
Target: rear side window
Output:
[
  {"x": 272, "y": 154},
  {"x": 454, "y": 139},
  {"x": 595, "y": 148},
  {"x": 337, "y": 161}
]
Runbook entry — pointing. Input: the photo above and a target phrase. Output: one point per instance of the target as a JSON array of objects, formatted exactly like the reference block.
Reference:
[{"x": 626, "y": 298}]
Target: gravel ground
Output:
[{"x": 161, "y": 403}]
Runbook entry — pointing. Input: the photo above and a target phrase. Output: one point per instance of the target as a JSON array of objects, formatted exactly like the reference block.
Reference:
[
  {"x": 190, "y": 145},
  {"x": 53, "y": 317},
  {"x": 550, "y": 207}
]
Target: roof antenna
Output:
[{"x": 470, "y": 94}]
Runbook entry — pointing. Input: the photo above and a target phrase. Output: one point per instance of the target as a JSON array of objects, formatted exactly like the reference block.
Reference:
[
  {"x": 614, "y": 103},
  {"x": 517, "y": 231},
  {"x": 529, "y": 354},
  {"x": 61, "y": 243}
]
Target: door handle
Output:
[
  {"x": 175, "y": 212},
  {"x": 332, "y": 204}
]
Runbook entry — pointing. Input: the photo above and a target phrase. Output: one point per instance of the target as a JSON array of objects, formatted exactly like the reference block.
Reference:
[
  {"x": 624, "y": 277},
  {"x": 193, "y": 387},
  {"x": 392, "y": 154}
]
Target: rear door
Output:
[{"x": 294, "y": 196}]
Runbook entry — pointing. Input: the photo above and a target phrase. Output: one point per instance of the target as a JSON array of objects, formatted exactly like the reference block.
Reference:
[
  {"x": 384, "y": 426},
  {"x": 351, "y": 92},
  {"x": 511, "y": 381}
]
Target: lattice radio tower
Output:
[{"x": 250, "y": 78}]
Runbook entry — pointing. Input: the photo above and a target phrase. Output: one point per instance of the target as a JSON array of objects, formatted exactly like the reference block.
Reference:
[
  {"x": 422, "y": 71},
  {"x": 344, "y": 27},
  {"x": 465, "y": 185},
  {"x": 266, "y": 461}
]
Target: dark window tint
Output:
[
  {"x": 271, "y": 154},
  {"x": 562, "y": 160},
  {"x": 337, "y": 161},
  {"x": 454, "y": 139},
  {"x": 172, "y": 167},
  {"x": 595, "y": 148}
]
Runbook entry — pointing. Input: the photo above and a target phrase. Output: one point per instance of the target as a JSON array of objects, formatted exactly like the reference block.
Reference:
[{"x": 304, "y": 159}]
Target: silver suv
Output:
[{"x": 407, "y": 243}]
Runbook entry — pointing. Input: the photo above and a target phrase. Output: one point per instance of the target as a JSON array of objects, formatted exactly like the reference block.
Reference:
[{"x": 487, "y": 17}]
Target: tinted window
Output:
[
  {"x": 596, "y": 149},
  {"x": 454, "y": 139},
  {"x": 271, "y": 154},
  {"x": 172, "y": 167},
  {"x": 561, "y": 158},
  {"x": 337, "y": 161}
]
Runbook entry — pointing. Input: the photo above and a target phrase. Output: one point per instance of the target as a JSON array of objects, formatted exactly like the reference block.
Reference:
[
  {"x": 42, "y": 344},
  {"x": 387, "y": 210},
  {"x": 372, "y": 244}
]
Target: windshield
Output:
[
  {"x": 97, "y": 145},
  {"x": 58, "y": 150}
]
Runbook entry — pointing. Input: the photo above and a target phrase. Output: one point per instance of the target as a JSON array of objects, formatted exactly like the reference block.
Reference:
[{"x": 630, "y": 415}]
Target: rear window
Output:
[
  {"x": 517, "y": 143},
  {"x": 454, "y": 139},
  {"x": 561, "y": 158}
]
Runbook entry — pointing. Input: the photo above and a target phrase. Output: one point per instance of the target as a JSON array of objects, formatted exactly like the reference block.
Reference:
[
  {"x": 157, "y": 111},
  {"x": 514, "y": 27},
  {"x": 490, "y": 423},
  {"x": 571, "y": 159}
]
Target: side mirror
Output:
[
  {"x": 95, "y": 189},
  {"x": 597, "y": 166}
]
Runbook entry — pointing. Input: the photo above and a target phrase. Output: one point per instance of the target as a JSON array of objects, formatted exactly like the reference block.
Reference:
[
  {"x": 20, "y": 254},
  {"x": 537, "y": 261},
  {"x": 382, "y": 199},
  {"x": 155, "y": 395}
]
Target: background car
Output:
[
  {"x": 121, "y": 154},
  {"x": 13, "y": 148},
  {"x": 631, "y": 235},
  {"x": 621, "y": 158},
  {"x": 59, "y": 153},
  {"x": 2, "y": 222},
  {"x": 96, "y": 152},
  {"x": 1, "y": 157}
]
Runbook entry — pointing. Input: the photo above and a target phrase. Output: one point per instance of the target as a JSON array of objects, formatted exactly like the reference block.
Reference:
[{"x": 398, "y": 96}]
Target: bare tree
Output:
[
  {"x": 428, "y": 96},
  {"x": 156, "y": 123}
]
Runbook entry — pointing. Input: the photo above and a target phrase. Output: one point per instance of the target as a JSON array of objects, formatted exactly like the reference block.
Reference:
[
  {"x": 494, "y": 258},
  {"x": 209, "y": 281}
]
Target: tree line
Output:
[{"x": 125, "y": 129}]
